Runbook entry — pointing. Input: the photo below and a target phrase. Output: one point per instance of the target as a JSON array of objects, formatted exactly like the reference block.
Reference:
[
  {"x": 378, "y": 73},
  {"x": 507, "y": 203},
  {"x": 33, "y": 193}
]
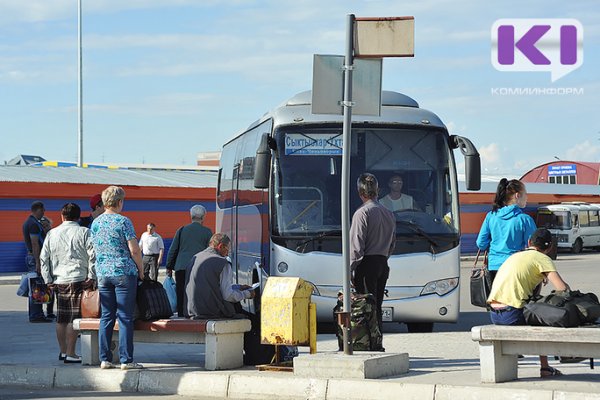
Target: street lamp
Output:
[{"x": 79, "y": 90}]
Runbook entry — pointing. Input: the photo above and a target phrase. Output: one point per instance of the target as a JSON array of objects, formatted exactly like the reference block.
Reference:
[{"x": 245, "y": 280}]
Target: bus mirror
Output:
[
  {"x": 472, "y": 161},
  {"x": 262, "y": 165},
  {"x": 473, "y": 172}
]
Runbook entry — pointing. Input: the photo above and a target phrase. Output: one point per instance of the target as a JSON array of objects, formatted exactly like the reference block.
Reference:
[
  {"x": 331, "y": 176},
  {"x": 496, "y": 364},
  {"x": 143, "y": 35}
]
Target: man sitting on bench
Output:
[
  {"x": 516, "y": 281},
  {"x": 210, "y": 292}
]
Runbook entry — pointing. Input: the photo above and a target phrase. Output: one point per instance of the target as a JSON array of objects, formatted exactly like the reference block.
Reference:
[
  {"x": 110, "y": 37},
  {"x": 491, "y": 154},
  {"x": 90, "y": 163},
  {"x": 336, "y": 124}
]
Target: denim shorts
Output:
[{"x": 507, "y": 316}]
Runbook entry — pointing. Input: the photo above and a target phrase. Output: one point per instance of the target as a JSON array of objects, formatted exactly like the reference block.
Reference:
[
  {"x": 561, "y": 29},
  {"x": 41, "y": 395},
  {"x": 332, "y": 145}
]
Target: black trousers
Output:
[
  {"x": 150, "y": 262},
  {"x": 180, "y": 288},
  {"x": 371, "y": 276}
]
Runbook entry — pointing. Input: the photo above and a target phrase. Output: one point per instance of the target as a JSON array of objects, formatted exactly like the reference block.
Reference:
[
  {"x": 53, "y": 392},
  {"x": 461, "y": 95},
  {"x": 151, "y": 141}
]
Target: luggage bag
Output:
[
  {"x": 366, "y": 335},
  {"x": 152, "y": 301}
]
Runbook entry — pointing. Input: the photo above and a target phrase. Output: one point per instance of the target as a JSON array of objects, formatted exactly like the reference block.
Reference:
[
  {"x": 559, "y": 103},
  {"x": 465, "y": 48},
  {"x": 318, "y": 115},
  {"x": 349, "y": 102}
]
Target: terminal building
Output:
[{"x": 565, "y": 172}]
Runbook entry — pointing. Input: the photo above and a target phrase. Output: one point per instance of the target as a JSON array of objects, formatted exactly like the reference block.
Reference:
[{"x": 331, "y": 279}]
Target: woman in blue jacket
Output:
[{"x": 506, "y": 229}]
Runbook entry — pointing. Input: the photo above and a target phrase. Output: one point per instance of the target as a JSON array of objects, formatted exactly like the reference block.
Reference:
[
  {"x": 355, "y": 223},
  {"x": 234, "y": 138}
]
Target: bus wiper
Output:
[
  {"x": 317, "y": 237},
  {"x": 419, "y": 231}
]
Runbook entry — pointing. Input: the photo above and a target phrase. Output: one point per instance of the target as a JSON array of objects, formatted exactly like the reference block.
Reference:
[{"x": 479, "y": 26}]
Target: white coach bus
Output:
[{"x": 278, "y": 198}]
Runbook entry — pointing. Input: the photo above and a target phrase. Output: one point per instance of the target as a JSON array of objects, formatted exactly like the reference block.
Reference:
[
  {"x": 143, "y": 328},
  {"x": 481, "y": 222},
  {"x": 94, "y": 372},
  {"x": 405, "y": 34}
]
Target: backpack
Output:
[{"x": 366, "y": 335}]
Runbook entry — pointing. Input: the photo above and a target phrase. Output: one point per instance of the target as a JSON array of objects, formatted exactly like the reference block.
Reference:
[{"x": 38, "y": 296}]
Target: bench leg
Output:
[
  {"x": 495, "y": 366},
  {"x": 224, "y": 351},
  {"x": 90, "y": 352}
]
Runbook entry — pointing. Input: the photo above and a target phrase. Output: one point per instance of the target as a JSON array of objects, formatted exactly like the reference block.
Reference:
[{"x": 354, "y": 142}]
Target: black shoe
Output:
[
  {"x": 51, "y": 316},
  {"x": 72, "y": 360},
  {"x": 61, "y": 356},
  {"x": 40, "y": 319}
]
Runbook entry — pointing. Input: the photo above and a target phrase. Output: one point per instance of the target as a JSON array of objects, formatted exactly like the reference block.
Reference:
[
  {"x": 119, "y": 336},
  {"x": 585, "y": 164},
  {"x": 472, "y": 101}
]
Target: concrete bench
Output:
[
  {"x": 499, "y": 346},
  {"x": 224, "y": 339}
]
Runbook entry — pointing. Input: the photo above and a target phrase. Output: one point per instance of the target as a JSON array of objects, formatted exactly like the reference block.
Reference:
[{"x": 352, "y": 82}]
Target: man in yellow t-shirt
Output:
[{"x": 516, "y": 280}]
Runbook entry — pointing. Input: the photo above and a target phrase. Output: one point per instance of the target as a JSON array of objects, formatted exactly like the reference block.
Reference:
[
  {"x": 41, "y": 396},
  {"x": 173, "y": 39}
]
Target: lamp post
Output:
[{"x": 79, "y": 89}]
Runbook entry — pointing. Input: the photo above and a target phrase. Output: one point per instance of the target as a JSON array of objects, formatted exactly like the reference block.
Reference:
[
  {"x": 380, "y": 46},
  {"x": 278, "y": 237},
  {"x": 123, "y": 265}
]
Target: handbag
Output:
[
  {"x": 39, "y": 292},
  {"x": 481, "y": 282},
  {"x": 23, "y": 289},
  {"x": 90, "y": 303}
]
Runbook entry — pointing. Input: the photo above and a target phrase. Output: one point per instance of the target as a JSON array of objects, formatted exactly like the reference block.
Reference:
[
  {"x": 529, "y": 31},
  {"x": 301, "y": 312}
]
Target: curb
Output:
[{"x": 268, "y": 385}]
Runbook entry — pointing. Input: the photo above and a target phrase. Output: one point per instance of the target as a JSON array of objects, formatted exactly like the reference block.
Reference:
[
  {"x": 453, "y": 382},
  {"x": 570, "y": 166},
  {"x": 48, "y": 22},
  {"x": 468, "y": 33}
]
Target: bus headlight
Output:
[
  {"x": 282, "y": 267},
  {"x": 440, "y": 287}
]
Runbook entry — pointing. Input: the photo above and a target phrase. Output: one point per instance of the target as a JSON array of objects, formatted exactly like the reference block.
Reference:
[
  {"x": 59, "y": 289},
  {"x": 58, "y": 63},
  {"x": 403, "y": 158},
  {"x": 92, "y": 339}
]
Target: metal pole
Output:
[
  {"x": 347, "y": 129},
  {"x": 80, "y": 90}
]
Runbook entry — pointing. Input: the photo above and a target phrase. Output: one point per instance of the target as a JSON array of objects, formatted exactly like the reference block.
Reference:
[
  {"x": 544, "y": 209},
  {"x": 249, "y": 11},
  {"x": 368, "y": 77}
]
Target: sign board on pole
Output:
[
  {"x": 328, "y": 85},
  {"x": 384, "y": 37}
]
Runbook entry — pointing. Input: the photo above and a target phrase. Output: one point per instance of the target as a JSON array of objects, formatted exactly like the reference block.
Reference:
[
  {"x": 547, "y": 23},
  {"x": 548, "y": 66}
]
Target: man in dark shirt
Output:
[
  {"x": 33, "y": 236},
  {"x": 97, "y": 208},
  {"x": 210, "y": 290},
  {"x": 372, "y": 241}
]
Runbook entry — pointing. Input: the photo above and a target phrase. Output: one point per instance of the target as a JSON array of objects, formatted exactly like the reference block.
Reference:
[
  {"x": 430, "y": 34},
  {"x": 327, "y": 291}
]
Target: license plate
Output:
[{"x": 387, "y": 314}]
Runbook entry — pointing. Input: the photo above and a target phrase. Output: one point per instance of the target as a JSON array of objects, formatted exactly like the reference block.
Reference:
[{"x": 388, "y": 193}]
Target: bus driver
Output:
[{"x": 396, "y": 200}]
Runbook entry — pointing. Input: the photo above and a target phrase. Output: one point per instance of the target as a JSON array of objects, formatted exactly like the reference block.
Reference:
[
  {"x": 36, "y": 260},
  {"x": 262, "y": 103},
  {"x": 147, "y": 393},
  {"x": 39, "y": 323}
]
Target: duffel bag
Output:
[
  {"x": 152, "y": 301},
  {"x": 366, "y": 335}
]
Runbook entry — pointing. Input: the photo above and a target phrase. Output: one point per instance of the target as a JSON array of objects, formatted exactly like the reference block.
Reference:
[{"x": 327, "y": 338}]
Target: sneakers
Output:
[
  {"x": 106, "y": 365},
  {"x": 62, "y": 356},
  {"x": 131, "y": 365}
]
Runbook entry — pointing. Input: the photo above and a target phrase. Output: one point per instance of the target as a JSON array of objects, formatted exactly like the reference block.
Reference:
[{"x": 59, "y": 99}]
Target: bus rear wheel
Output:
[
  {"x": 577, "y": 246},
  {"x": 419, "y": 327}
]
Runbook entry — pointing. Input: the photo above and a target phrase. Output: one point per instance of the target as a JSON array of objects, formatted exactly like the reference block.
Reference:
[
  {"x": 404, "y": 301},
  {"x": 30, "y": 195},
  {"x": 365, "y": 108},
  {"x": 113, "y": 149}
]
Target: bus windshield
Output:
[
  {"x": 307, "y": 176},
  {"x": 554, "y": 219}
]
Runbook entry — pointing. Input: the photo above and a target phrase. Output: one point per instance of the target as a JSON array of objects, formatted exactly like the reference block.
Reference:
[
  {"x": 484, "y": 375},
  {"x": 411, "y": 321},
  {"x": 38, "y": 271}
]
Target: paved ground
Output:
[{"x": 446, "y": 361}]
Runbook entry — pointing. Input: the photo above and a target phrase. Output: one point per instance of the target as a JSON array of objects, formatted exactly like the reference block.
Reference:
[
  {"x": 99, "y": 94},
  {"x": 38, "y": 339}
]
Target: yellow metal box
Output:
[{"x": 284, "y": 312}]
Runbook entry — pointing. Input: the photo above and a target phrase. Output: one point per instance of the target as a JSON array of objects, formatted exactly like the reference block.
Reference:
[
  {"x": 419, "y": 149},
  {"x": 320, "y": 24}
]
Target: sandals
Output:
[{"x": 547, "y": 372}]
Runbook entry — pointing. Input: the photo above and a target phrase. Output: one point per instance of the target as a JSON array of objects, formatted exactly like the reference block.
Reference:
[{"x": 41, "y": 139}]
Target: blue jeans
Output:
[
  {"x": 117, "y": 298},
  {"x": 507, "y": 316},
  {"x": 35, "y": 310}
]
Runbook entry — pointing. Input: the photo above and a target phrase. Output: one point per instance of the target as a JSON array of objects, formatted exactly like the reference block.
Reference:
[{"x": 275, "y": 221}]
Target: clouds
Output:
[
  {"x": 585, "y": 151},
  {"x": 175, "y": 68}
]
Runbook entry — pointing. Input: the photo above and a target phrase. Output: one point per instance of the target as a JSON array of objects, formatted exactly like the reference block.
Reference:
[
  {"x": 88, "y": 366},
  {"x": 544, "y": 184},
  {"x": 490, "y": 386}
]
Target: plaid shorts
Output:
[{"x": 68, "y": 300}]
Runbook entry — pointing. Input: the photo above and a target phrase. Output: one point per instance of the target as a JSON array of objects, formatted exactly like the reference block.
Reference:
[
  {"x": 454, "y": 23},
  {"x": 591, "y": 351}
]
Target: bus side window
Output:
[{"x": 575, "y": 221}]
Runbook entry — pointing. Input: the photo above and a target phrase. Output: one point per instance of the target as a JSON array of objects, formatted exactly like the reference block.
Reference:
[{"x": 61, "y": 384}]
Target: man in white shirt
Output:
[
  {"x": 396, "y": 200},
  {"x": 153, "y": 248}
]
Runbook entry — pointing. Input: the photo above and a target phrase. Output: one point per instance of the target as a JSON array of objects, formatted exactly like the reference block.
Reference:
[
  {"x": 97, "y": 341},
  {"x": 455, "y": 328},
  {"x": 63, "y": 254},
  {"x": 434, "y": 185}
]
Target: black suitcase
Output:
[{"x": 152, "y": 301}]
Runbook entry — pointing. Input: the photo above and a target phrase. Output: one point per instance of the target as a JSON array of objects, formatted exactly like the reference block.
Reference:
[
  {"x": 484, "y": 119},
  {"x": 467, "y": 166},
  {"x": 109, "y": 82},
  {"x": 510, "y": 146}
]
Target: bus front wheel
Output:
[
  {"x": 419, "y": 327},
  {"x": 577, "y": 246}
]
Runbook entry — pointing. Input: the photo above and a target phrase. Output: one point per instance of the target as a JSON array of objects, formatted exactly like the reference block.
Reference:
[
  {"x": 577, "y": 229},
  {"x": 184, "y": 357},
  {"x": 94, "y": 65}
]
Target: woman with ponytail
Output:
[{"x": 506, "y": 229}]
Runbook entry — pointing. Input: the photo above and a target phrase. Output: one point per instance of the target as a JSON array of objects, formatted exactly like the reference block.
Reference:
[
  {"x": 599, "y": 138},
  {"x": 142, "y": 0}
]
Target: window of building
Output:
[{"x": 564, "y": 179}]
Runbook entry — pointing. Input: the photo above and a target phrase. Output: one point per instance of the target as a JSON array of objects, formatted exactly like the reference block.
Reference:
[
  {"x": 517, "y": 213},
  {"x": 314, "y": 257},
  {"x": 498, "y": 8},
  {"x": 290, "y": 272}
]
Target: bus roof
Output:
[
  {"x": 570, "y": 206},
  {"x": 396, "y": 108}
]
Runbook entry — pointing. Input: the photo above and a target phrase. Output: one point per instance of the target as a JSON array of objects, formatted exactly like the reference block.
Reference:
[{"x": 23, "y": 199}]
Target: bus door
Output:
[{"x": 233, "y": 250}]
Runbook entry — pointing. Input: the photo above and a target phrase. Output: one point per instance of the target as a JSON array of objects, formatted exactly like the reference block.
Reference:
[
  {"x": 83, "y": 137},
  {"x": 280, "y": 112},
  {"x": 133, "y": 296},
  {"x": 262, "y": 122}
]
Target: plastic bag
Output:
[
  {"x": 169, "y": 285},
  {"x": 23, "y": 289},
  {"x": 39, "y": 292}
]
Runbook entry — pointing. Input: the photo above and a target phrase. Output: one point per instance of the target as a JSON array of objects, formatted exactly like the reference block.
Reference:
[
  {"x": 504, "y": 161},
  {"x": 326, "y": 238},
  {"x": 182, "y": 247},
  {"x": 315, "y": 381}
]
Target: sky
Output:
[{"x": 164, "y": 80}]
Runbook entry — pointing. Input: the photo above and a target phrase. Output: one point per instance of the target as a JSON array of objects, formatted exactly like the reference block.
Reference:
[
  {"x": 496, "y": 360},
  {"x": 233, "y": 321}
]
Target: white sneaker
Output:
[
  {"x": 131, "y": 365},
  {"x": 106, "y": 365}
]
